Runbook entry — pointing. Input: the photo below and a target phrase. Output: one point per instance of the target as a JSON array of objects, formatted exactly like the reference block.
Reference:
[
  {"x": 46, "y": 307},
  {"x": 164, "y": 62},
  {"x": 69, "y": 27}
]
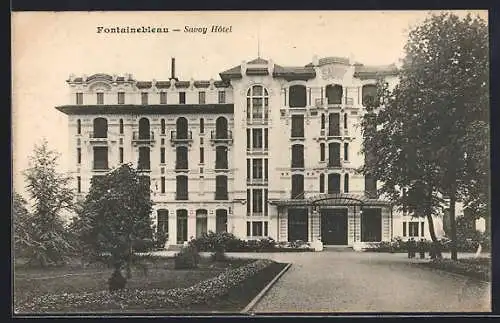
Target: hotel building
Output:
[{"x": 265, "y": 151}]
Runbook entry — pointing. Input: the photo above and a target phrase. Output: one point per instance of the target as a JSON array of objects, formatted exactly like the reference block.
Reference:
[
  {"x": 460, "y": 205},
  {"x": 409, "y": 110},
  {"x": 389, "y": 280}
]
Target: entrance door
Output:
[
  {"x": 297, "y": 225},
  {"x": 334, "y": 226}
]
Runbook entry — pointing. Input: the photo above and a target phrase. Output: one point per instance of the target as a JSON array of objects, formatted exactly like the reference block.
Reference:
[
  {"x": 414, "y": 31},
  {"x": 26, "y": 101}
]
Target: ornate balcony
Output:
[
  {"x": 221, "y": 138},
  {"x": 141, "y": 138},
  {"x": 181, "y": 138}
]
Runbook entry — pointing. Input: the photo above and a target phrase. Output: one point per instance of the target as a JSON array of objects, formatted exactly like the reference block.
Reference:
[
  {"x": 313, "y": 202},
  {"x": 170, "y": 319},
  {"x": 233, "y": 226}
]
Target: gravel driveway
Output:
[{"x": 334, "y": 281}]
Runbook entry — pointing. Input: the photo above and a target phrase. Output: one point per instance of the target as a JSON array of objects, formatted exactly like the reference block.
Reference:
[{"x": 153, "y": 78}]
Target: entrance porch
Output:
[{"x": 335, "y": 219}]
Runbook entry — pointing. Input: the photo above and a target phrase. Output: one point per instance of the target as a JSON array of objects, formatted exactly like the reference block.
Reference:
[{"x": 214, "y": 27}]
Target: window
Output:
[
  {"x": 182, "y": 97},
  {"x": 201, "y": 97},
  {"x": 221, "y": 129},
  {"x": 249, "y": 168},
  {"x": 162, "y": 184},
  {"x": 181, "y": 128},
  {"x": 181, "y": 161},
  {"x": 202, "y": 125},
  {"x": 334, "y": 154},
  {"x": 100, "y": 128},
  {"x": 162, "y": 126},
  {"x": 297, "y": 156},
  {"x": 121, "y": 155},
  {"x": 162, "y": 155},
  {"x": 322, "y": 121},
  {"x": 297, "y": 126},
  {"x": 368, "y": 94},
  {"x": 298, "y": 96},
  {"x": 346, "y": 183},
  {"x": 79, "y": 184},
  {"x": 100, "y": 157},
  {"x": 333, "y": 183},
  {"x": 121, "y": 97},
  {"x": 333, "y": 124},
  {"x": 162, "y": 221},
  {"x": 266, "y": 209},
  {"x": 248, "y": 201},
  {"x": 121, "y": 126},
  {"x": 404, "y": 229},
  {"x": 144, "y": 98},
  {"x": 221, "y": 187},
  {"x": 222, "y": 97},
  {"x": 257, "y": 168},
  {"x": 334, "y": 94},
  {"x": 201, "y": 141},
  {"x": 221, "y": 157},
  {"x": 181, "y": 187},
  {"x": 220, "y": 220},
  {"x": 248, "y": 138},
  {"x": 100, "y": 98},
  {"x": 182, "y": 226},
  {"x": 78, "y": 127},
  {"x": 345, "y": 121},
  {"x": 413, "y": 229},
  {"x": 257, "y": 138},
  {"x": 201, "y": 222},
  {"x": 297, "y": 186},
  {"x": 257, "y": 103},
  {"x": 257, "y": 229},
  {"x": 144, "y": 129},
  {"x": 78, "y": 155},
  {"x": 144, "y": 158},
  {"x": 266, "y": 135},
  {"x": 370, "y": 186},
  {"x": 79, "y": 98},
  {"x": 322, "y": 152},
  {"x": 162, "y": 141},
  {"x": 371, "y": 225},
  {"x": 163, "y": 97},
  {"x": 249, "y": 228},
  {"x": 422, "y": 226},
  {"x": 322, "y": 183},
  {"x": 266, "y": 169},
  {"x": 346, "y": 151},
  {"x": 202, "y": 155},
  {"x": 257, "y": 199}
]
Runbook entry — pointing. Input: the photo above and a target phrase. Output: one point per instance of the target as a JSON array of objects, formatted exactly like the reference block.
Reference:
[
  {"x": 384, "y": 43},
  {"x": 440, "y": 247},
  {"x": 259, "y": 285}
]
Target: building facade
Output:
[{"x": 265, "y": 151}]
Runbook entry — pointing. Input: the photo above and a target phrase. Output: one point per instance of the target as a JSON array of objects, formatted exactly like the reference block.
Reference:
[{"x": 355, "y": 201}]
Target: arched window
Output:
[
  {"x": 121, "y": 126},
  {"x": 182, "y": 128},
  {"x": 334, "y": 94},
  {"x": 144, "y": 132},
  {"x": 79, "y": 127},
  {"x": 221, "y": 128},
  {"x": 162, "y": 221},
  {"x": 100, "y": 128},
  {"x": 297, "y": 96},
  {"x": 163, "y": 127},
  {"x": 297, "y": 186},
  {"x": 369, "y": 94},
  {"x": 257, "y": 103}
]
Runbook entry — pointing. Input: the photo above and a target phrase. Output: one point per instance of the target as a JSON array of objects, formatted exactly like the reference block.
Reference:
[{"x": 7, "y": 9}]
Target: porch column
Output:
[{"x": 310, "y": 236}]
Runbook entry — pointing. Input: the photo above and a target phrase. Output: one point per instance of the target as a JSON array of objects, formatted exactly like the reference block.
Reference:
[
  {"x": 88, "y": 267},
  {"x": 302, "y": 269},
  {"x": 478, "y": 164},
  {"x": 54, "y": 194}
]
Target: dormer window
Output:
[
  {"x": 144, "y": 98},
  {"x": 182, "y": 97},
  {"x": 100, "y": 98},
  {"x": 79, "y": 98},
  {"x": 163, "y": 97},
  {"x": 121, "y": 97}
]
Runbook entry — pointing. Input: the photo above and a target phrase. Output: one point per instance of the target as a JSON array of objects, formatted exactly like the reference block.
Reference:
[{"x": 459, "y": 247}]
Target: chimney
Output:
[{"x": 172, "y": 69}]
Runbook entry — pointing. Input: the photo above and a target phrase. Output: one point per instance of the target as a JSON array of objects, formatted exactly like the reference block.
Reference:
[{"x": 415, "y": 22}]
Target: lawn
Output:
[
  {"x": 148, "y": 290},
  {"x": 160, "y": 274},
  {"x": 477, "y": 268}
]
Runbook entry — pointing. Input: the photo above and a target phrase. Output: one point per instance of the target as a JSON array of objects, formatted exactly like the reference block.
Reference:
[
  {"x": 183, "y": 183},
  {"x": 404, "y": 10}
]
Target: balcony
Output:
[
  {"x": 221, "y": 167},
  {"x": 181, "y": 138},
  {"x": 221, "y": 138},
  {"x": 98, "y": 139},
  {"x": 257, "y": 181},
  {"x": 334, "y": 134},
  {"x": 181, "y": 166},
  {"x": 335, "y": 164},
  {"x": 258, "y": 151},
  {"x": 297, "y": 135},
  {"x": 141, "y": 138}
]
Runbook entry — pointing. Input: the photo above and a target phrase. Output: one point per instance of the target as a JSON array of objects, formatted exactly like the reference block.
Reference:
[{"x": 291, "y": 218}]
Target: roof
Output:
[
  {"x": 331, "y": 60},
  {"x": 343, "y": 199},
  {"x": 258, "y": 60},
  {"x": 370, "y": 71},
  {"x": 294, "y": 72}
]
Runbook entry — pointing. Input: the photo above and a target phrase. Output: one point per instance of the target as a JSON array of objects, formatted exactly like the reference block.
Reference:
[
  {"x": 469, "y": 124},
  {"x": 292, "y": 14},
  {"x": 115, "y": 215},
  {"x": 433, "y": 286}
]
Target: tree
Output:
[
  {"x": 22, "y": 224},
  {"x": 436, "y": 120},
  {"x": 115, "y": 214},
  {"x": 47, "y": 240}
]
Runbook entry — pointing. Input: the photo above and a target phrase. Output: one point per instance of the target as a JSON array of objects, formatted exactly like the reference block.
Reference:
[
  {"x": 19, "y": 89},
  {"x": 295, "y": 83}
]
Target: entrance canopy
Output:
[{"x": 331, "y": 200}]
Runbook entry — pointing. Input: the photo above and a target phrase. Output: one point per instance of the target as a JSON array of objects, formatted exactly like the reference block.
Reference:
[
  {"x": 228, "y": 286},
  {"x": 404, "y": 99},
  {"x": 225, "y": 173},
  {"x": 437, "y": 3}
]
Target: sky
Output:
[{"x": 49, "y": 46}]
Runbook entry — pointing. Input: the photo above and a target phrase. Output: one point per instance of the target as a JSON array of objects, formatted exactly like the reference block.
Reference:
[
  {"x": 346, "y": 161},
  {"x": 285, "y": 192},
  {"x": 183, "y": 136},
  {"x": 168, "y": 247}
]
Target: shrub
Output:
[
  {"x": 143, "y": 245},
  {"x": 220, "y": 241},
  {"x": 160, "y": 240},
  {"x": 187, "y": 258}
]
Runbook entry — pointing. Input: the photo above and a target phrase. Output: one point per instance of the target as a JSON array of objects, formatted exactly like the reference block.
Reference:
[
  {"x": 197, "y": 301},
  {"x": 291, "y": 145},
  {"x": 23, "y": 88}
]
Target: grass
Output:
[{"x": 160, "y": 274}]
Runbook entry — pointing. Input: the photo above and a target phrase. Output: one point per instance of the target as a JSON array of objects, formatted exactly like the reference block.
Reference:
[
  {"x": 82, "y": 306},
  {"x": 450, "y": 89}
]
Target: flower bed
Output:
[
  {"x": 129, "y": 299},
  {"x": 479, "y": 268}
]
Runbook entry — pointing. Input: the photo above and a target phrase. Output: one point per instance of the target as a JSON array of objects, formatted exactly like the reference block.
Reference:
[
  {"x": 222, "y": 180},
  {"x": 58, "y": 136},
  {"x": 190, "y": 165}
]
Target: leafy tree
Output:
[
  {"x": 46, "y": 240},
  {"x": 115, "y": 214},
  {"x": 431, "y": 137},
  {"x": 22, "y": 224}
]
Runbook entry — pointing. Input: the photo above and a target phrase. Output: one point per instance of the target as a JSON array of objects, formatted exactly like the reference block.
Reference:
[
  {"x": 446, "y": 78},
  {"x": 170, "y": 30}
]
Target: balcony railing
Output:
[
  {"x": 181, "y": 137},
  {"x": 219, "y": 166},
  {"x": 98, "y": 138},
  {"x": 298, "y": 196},
  {"x": 139, "y": 137},
  {"x": 257, "y": 181},
  {"x": 224, "y": 137},
  {"x": 181, "y": 165},
  {"x": 258, "y": 151},
  {"x": 334, "y": 164}
]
